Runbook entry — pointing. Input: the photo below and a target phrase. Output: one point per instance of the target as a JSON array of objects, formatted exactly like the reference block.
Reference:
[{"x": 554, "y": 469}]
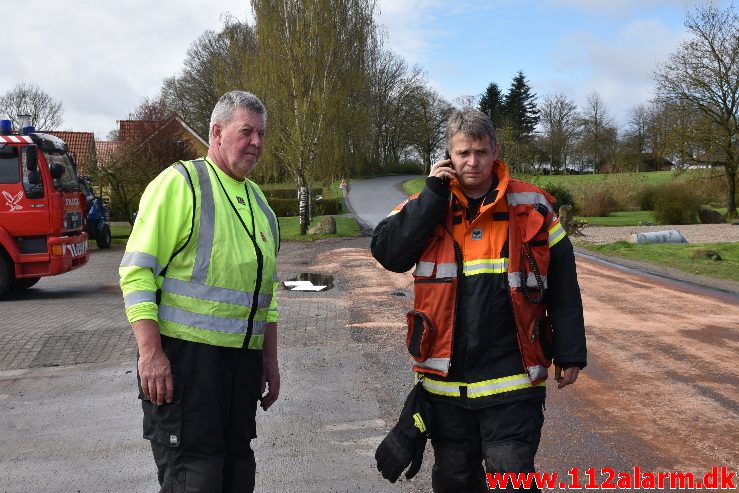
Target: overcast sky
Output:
[{"x": 100, "y": 58}]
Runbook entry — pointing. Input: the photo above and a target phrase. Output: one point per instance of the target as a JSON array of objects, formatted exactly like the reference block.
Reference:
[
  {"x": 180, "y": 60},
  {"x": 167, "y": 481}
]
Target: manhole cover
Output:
[{"x": 309, "y": 281}]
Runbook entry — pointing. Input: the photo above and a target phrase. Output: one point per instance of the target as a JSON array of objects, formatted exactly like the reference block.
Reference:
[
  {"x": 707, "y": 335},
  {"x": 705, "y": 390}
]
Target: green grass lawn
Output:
[
  {"x": 290, "y": 229},
  {"x": 651, "y": 178},
  {"x": 120, "y": 234},
  {"x": 620, "y": 218},
  {"x": 679, "y": 256}
]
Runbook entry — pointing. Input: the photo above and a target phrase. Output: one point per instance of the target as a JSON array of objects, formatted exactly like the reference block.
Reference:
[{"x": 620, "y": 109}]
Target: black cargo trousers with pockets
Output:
[{"x": 201, "y": 440}]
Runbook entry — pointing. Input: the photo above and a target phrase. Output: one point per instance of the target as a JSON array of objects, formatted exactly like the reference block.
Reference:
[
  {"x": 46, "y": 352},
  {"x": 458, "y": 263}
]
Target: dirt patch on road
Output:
[{"x": 659, "y": 390}]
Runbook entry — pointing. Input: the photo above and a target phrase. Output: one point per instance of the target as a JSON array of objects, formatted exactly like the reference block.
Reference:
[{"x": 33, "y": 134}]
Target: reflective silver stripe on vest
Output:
[
  {"x": 440, "y": 388},
  {"x": 476, "y": 389},
  {"x": 426, "y": 269},
  {"x": 497, "y": 386},
  {"x": 208, "y": 322},
  {"x": 137, "y": 297},
  {"x": 268, "y": 214},
  {"x": 531, "y": 198},
  {"x": 181, "y": 168},
  {"x": 537, "y": 372},
  {"x": 441, "y": 364},
  {"x": 141, "y": 259},
  {"x": 207, "y": 224},
  {"x": 213, "y": 293},
  {"x": 446, "y": 270},
  {"x": 514, "y": 280},
  {"x": 499, "y": 265}
]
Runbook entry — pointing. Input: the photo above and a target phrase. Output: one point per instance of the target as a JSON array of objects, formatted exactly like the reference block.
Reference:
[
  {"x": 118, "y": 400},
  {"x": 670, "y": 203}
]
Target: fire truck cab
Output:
[{"x": 42, "y": 209}]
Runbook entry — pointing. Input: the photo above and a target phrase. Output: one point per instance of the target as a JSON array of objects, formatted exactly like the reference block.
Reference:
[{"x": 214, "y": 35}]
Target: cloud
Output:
[
  {"x": 102, "y": 58},
  {"x": 619, "y": 67},
  {"x": 406, "y": 24},
  {"x": 623, "y": 7}
]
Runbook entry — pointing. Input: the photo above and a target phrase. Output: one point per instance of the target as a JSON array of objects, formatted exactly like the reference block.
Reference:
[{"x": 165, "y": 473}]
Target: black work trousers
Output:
[
  {"x": 505, "y": 437},
  {"x": 201, "y": 440}
]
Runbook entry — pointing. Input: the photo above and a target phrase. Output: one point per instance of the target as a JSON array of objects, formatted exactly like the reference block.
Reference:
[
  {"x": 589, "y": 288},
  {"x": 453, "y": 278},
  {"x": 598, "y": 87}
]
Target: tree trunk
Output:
[
  {"x": 303, "y": 204},
  {"x": 731, "y": 212}
]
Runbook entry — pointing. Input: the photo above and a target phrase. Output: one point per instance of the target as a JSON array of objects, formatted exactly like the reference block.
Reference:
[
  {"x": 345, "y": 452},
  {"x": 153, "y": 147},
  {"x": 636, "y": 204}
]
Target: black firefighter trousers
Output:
[
  {"x": 201, "y": 441},
  {"x": 505, "y": 437}
]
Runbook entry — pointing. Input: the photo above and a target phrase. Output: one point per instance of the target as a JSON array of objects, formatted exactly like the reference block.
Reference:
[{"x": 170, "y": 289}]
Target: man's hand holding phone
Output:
[{"x": 443, "y": 169}]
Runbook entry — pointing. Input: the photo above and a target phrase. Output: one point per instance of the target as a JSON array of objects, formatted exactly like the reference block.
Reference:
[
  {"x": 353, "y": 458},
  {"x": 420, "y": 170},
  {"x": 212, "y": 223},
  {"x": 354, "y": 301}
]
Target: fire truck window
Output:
[{"x": 9, "y": 169}]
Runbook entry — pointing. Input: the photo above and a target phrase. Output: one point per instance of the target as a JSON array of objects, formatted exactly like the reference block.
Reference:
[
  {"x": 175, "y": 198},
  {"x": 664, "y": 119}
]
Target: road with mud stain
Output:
[{"x": 659, "y": 391}]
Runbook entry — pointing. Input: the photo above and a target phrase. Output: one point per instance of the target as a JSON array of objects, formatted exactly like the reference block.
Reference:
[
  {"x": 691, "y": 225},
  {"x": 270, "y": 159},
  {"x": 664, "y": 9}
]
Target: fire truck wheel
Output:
[
  {"x": 6, "y": 274},
  {"x": 25, "y": 283},
  {"x": 104, "y": 239}
]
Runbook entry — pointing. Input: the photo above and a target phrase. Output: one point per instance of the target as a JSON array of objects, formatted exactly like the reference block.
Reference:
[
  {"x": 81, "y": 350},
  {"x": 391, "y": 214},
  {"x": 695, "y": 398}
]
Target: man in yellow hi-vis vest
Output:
[{"x": 198, "y": 280}]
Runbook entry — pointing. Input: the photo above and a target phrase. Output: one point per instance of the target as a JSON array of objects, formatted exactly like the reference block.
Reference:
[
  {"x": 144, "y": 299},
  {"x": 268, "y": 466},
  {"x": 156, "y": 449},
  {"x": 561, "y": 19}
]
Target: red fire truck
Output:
[{"x": 42, "y": 209}]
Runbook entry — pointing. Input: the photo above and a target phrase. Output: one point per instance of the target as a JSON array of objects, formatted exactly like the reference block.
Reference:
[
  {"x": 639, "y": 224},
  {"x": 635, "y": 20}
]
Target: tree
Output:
[
  {"x": 427, "y": 130},
  {"x": 703, "y": 73},
  {"x": 312, "y": 61},
  {"x": 146, "y": 144},
  {"x": 560, "y": 127},
  {"x": 598, "y": 132},
  {"x": 392, "y": 95},
  {"x": 213, "y": 66},
  {"x": 491, "y": 103},
  {"x": 29, "y": 99},
  {"x": 520, "y": 108}
]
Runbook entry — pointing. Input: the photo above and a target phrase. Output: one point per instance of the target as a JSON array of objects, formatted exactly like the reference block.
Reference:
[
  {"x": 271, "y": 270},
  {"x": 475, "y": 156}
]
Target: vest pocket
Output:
[{"x": 420, "y": 337}]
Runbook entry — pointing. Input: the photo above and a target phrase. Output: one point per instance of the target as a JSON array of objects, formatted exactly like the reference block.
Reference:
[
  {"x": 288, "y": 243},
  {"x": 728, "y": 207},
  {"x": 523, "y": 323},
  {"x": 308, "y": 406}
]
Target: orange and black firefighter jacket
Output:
[{"x": 495, "y": 289}]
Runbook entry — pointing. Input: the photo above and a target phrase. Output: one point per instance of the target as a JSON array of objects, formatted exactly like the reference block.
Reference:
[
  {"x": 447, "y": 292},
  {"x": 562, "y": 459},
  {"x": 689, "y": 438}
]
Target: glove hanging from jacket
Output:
[{"x": 405, "y": 443}]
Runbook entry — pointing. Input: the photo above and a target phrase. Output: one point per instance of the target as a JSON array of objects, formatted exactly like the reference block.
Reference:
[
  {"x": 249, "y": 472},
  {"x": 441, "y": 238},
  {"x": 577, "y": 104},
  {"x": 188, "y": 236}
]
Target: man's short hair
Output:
[
  {"x": 231, "y": 101},
  {"x": 471, "y": 122}
]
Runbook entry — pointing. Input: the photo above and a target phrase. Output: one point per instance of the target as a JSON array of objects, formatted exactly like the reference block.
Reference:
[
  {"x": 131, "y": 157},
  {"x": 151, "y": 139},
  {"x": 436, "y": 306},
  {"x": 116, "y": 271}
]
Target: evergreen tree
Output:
[
  {"x": 491, "y": 103},
  {"x": 520, "y": 108}
]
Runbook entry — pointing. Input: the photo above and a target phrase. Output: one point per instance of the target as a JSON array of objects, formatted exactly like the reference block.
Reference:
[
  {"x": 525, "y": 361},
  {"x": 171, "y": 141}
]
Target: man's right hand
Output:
[
  {"x": 443, "y": 169},
  {"x": 156, "y": 377},
  {"x": 155, "y": 373}
]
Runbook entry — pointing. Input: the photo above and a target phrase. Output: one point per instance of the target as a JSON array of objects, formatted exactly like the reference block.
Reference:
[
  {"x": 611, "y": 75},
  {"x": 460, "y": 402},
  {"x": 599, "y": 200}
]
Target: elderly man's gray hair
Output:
[
  {"x": 229, "y": 102},
  {"x": 471, "y": 122}
]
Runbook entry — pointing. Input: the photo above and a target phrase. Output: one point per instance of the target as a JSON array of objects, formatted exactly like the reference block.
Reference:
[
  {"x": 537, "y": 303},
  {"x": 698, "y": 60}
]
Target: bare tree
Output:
[
  {"x": 598, "y": 132},
  {"x": 560, "y": 127},
  {"x": 27, "y": 98},
  {"x": 703, "y": 73},
  {"x": 431, "y": 112}
]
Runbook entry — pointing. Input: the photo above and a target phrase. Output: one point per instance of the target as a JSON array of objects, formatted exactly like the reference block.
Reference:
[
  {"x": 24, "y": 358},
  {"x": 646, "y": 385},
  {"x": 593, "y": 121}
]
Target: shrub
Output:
[
  {"x": 676, "y": 204},
  {"x": 284, "y": 207},
  {"x": 645, "y": 198},
  {"x": 562, "y": 194},
  {"x": 599, "y": 203}
]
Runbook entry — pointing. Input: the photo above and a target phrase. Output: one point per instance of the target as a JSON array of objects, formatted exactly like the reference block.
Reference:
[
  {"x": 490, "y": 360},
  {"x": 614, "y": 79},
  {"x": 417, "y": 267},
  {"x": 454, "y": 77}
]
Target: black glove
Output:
[{"x": 405, "y": 443}]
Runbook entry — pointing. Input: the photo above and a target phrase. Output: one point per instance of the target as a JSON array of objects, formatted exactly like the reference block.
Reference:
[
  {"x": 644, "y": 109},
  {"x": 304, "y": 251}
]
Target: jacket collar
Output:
[{"x": 493, "y": 196}]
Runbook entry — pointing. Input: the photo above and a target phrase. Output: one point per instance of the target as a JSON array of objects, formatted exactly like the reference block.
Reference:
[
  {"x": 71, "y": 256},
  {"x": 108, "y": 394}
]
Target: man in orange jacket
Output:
[{"x": 496, "y": 299}]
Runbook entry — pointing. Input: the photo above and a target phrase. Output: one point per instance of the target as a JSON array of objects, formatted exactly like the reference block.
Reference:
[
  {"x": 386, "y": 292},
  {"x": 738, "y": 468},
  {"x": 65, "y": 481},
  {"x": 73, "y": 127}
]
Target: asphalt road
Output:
[
  {"x": 659, "y": 391},
  {"x": 372, "y": 200}
]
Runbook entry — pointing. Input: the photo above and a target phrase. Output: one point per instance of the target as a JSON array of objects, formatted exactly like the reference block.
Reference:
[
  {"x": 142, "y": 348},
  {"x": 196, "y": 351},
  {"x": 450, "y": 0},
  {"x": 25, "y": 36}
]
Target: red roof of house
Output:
[
  {"x": 106, "y": 151},
  {"x": 141, "y": 130},
  {"x": 81, "y": 146}
]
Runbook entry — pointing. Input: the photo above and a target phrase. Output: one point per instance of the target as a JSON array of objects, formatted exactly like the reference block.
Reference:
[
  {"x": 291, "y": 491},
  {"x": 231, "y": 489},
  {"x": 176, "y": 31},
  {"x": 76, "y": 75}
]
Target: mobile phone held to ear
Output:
[{"x": 447, "y": 156}]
